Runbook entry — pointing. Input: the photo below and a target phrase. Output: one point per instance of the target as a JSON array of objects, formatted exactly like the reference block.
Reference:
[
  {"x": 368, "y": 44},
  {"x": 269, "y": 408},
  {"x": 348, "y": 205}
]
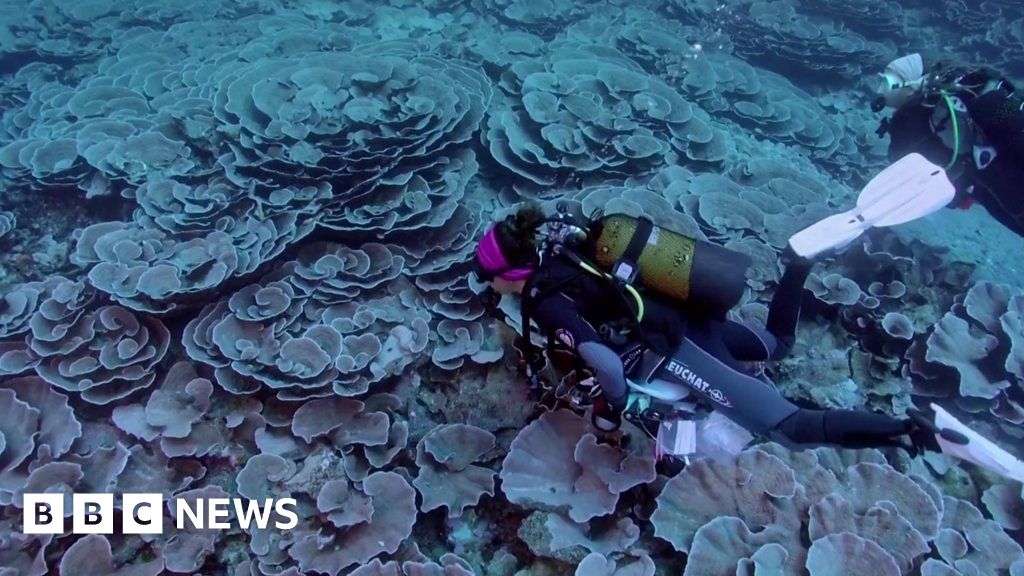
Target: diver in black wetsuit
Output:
[
  {"x": 577, "y": 309},
  {"x": 970, "y": 121}
]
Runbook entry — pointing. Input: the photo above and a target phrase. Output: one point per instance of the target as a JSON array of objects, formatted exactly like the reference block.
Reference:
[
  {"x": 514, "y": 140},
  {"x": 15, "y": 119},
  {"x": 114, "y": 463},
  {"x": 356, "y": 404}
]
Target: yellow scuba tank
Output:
[{"x": 703, "y": 275}]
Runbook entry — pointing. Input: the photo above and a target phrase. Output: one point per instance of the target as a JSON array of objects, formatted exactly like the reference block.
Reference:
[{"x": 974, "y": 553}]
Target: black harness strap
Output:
[{"x": 627, "y": 267}]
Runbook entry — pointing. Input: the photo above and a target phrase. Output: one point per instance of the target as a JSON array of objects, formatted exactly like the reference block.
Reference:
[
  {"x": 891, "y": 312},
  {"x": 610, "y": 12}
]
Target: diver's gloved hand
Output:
[
  {"x": 605, "y": 417},
  {"x": 538, "y": 382},
  {"x": 490, "y": 300},
  {"x": 883, "y": 128},
  {"x": 923, "y": 433},
  {"x": 540, "y": 375}
]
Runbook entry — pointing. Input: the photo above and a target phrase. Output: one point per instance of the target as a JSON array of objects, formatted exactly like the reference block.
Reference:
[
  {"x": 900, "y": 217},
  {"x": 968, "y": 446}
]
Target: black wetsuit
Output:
[
  {"x": 706, "y": 355},
  {"x": 995, "y": 122}
]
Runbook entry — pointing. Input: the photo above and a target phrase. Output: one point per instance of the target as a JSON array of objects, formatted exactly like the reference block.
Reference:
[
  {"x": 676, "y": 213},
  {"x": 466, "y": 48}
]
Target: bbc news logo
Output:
[{"x": 143, "y": 513}]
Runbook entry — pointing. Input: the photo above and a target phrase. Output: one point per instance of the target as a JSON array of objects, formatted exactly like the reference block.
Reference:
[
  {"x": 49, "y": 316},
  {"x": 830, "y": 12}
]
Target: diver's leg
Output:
[
  {"x": 762, "y": 410},
  {"x": 611, "y": 376},
  {"x": 785, "y": 308},
  {"x": 846, "y": 428},
  {"x": 749, "y": 342},
  {"x": 748, "y": 401}
]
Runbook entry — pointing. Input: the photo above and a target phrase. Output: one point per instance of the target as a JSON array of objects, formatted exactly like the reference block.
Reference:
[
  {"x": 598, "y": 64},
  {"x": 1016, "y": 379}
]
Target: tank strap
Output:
[{"x": 627, "y": 268}]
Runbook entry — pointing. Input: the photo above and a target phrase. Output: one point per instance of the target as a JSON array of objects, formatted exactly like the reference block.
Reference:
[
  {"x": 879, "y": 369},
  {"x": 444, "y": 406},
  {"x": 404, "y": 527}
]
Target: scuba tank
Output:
[
  {"x": 1000, "y": 114},
  {"x": 700, "y": 274},
  {"x": 631, "y": 250}
]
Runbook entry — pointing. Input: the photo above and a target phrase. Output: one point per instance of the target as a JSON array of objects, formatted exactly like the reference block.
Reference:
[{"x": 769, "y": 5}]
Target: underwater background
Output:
[{"x": 233, "y": 256}]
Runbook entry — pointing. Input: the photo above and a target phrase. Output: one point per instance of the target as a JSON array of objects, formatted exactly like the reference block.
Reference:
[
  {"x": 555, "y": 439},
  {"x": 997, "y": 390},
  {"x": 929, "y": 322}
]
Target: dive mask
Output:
[{"x": 901, "y": 78}]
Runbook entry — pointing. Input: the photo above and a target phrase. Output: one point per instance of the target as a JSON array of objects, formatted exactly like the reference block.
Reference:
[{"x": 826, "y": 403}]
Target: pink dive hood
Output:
[{"x": 489, "y": 255}]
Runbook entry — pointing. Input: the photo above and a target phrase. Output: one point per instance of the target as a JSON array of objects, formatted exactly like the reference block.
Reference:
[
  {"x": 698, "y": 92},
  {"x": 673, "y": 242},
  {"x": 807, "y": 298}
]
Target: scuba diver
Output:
[
  {"x": 970, "y": 121},
  {"x": 660, "y": 312}
]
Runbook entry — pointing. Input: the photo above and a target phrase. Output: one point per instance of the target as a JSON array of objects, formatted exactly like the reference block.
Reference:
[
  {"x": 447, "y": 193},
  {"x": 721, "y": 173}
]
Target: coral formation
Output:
[{"x": 235, "y": 245}]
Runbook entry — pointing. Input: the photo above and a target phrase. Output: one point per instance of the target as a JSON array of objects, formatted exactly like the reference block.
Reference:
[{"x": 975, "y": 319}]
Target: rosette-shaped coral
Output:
[
  {"x": 140, "y": 112},
  {"x": 770, "y": 106},
  {"x": 870, "y": 17},
  {"x": 377, "y": 123},
  {"x": 974, "y": 354},
  {"x": 764, "y": 506},
  {"x": 115, "y": 136},
  {"x": 975, "y": 544},
  {"x": 115, "y": 359},
  {"x": 20, "y": 303},
  {"x": 556, "y": 465},
  {"x": 552, "y": 535},
  {"x": 448, "y": 476},
  {"x": 18, "y": 442},
  {"x": 187, "y": 549},
  {"x": 38, "y": 423},
  {"x": 102, "y": 352},
  {"x": 449, "y": 565},
  {"x": 22, "y": 553},
  {"x": 788, "y": 198},
  {"x": 361, "y": 523},
  {"x": 188, "y": 240},
  {"x": 334, "y": 319},
  {"x": 582, "y": 110},
  {"x": 954, "y": 344},
  {"x": 49, "y": 29},
  {"x": 189, "y": 416},
  {"x": 251, "y": 334},
  {"x": 92, "y": 556},
  {"x": 859, "y": 555},
  {"x": 150, "y": 271},
  {"x": 261, "y": 221},
  {"x": 545, "y": 17}
]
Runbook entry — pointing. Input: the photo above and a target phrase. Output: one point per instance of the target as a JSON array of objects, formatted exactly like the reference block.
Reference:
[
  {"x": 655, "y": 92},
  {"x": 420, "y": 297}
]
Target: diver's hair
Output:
[{"x": 516, "y": 234}]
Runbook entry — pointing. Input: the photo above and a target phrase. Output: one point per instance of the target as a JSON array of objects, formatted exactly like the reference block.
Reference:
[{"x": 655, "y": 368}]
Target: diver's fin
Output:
[
  {"x": 910, "y": 188},
  {"x": 956, "y": 439}
]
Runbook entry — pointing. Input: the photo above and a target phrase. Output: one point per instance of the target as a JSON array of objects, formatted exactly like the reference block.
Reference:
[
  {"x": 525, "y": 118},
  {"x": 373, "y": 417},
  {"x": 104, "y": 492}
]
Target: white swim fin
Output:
[
  {"x": 910, "y": 188},
  {"x": 957, "y": 440}
]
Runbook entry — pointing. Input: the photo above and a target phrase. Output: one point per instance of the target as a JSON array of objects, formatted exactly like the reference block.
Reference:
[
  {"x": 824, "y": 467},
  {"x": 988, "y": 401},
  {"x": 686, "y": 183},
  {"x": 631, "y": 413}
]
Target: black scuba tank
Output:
[
  {"x": 1000, "y": 114},
  {"x": 705, "y": 276}
]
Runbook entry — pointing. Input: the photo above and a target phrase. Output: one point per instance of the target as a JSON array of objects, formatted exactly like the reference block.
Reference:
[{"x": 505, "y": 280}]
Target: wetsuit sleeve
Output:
[{"x": 560, "y": 315}]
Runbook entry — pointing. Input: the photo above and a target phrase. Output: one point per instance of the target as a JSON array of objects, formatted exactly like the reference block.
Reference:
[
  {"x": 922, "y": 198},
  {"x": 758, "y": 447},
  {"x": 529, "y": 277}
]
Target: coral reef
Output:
[{"x": 234, "y": 255}]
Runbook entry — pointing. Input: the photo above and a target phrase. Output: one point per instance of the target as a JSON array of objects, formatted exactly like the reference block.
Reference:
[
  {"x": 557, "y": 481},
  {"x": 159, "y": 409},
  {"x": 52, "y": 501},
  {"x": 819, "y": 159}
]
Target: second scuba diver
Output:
[
  {"x": 595, "y": 315},
  {"x": 969, "y": 121}
]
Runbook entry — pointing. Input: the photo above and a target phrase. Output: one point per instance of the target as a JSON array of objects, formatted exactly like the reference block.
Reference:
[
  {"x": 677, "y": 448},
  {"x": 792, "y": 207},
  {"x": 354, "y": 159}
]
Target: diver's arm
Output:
[{"x": 560, "y": 315}]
